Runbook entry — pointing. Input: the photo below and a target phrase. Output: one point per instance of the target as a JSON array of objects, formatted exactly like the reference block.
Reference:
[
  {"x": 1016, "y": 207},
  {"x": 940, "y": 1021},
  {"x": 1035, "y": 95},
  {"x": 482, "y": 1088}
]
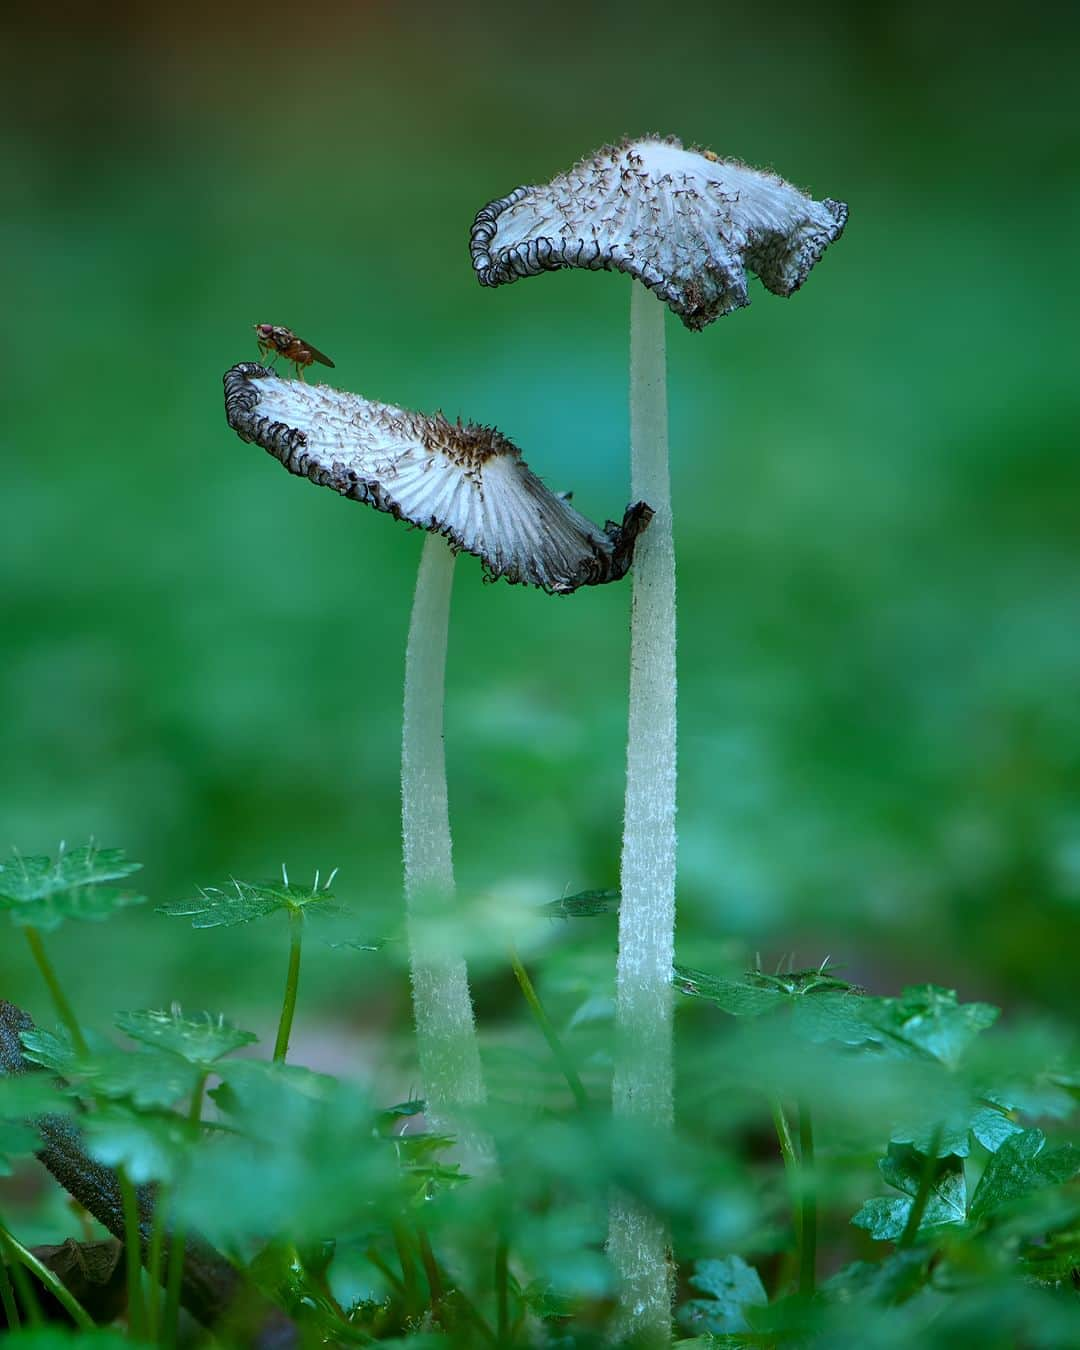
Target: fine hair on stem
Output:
[
  {"x": 643, "y": 1085},
  {"x": 442, "y": 1006}
]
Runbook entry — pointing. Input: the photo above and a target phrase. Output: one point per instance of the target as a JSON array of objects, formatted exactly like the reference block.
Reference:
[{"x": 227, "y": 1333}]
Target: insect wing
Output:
[{"x": 317, "y": 355}]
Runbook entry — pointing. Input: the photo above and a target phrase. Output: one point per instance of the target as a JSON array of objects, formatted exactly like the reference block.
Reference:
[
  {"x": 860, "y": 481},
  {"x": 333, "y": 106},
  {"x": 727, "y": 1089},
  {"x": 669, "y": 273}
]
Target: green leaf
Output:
[
  {"x": 297, "y": 1284},
  {"x": 41, "y": 893},
  {"x": 545, "y": 1301},
  {"x": 31, "y": 1094},
  {"x": 201, "y": 1039},
  {"x": 149, "y": 1145},
  {"x": 304, "y": 1160},
  {"x": 245, "y": 901},
  {"x": 929, "y": 1020},
  {"x": 733, "y": 1286},
  {"x": 740, "y": 998},
  {"x": 834, "y": 1015},
  {"x": 57, "y": 1338},
  {"x": 584, "y": 905},
  {"x": 822, "y": 1007},
  {"x": 940, "y": 1138},
  {"x": 51, "y": 1049},
  {"x": 903, "y": 1168},
  {"x": 147, "y": 1078},
  {"x": 893, "y": 1280},
  {"x": 991, "y": 1126},
  {"x": 17, "y": 1140},
  {"x": 884, "y": 1219},
  {"x": 1021, "y": 1166},
  {"x": 941, "y": 1119},
  {"x": 22, "y": 1098},
  {"x": 390, "y": 1117}
]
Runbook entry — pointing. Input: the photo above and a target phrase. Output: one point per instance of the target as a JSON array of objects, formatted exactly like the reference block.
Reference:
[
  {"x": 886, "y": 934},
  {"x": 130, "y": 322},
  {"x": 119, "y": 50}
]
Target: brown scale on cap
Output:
[
  {"x": 459, "y": 479},
  {"x": 684, "y": 222}
]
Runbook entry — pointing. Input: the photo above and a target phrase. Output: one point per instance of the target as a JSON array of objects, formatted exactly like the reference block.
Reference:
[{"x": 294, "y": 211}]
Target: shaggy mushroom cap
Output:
[
  {"x": 466, "y": 482},
  {"x": 685, "y": 223}
]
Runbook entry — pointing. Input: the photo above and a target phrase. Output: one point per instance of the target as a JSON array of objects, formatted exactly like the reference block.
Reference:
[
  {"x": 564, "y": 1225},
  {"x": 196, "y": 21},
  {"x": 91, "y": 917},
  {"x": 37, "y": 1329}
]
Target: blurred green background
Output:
[{"x": 875, "y": 484}]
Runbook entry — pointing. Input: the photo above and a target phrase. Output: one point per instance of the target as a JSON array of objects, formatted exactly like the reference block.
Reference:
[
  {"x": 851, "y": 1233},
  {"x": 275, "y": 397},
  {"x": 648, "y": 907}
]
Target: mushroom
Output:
[
  {"x": 469, "y": 484},
  {"x": 689, "y": 226},
  {"x": 464, "y": 481}
]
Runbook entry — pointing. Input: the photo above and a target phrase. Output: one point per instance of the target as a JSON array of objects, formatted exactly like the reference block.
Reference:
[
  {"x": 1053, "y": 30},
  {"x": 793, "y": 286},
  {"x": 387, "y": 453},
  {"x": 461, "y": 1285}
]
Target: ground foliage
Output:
[{"x": 922, "y": 1185}]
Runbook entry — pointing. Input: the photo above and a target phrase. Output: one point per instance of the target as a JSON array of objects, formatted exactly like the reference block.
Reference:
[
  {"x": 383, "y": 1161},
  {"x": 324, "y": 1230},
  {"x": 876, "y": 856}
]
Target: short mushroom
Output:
[
  {"x": 469, "y": 484},
  {"x": 689, "y": 226}
]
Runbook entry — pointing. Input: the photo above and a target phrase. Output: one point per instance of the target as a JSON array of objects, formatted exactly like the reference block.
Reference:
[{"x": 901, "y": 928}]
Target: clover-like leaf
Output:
[
  {"x": 822, "y": 1007},
  {"x": 903, "y": 1167},
  {"x": 40, "y": 892},
  {"x": 22, "y": 1098},
  {"x": 302, "y": 1158},
  {"x": 545, "y": 1301},
  {"x": 201, "y": 1039},
  {"x": 943, "y": 1121},
  {"x": 245, "y": 901},
  {"x": 1022, "y": 1165},
  {"x": 389, "y": 1117},
  {"x": 146, "y": 1079},
  {"x": 17, "y": 1140},
  {"x": 148, "y": 1145},
  {"x": 893, "y": 1280},
  {"x": 739, "y": 997},
  {"x": 929, "y": 1020},
  {"x": 733, "y": 1286},
  {"x": 991, "y": 1125},
  {"x": 584, "y": 905},
  {"x": 261, "y": 1096},
  {"x": 31, "y": 1094}
]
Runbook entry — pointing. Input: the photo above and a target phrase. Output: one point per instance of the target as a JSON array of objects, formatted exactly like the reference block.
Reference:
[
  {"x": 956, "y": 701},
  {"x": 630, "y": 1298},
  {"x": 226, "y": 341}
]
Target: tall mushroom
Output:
[
  {"x": 688, "y": 226},
  {"x": 469, "y": 484}
]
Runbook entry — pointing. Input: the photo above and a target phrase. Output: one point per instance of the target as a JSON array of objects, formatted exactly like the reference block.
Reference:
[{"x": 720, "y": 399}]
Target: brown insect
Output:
[{"x": 280, "y": 341}]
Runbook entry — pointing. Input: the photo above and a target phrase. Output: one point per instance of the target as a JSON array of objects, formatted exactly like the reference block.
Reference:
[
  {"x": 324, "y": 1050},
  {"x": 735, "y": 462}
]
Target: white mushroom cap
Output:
[
  {"x": 683, "y": 222},
  {"x": 463, "y": 481}
]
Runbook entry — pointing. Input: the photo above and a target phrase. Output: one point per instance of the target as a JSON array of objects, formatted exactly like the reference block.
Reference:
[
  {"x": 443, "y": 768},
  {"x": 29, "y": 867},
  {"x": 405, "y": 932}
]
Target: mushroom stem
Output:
[
  {"x": 643, "y": 1085},
  {"x": 442, "y": 1007}
]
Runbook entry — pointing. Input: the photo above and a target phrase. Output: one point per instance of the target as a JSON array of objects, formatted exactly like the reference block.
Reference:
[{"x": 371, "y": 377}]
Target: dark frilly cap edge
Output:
[
  {"x": 544, "y": 254},
  {"x": 610, "y": 553}
]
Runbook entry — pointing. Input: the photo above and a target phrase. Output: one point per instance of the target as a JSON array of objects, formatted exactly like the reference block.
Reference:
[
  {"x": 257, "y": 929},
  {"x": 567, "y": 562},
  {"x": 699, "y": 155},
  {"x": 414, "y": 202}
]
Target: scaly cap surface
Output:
[
  {"x": 466, "y": 482},
  {"x": 685, "y": 223}
]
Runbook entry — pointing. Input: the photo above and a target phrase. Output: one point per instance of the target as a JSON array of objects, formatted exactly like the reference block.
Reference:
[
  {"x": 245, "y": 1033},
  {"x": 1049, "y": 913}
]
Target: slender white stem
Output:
[
  {"x": 445, "y": 1029},
  {"x": 643, "y": 1086}
]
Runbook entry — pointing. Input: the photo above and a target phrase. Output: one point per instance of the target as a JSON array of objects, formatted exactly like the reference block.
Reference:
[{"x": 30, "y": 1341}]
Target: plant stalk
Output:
[
  {"x": 7, "y": 1294},
  {"x": 638, "y": 1242},
  {"x": 931, "y": 1168},
  {"x": 132, "y": 1256},
  {"x": 808, "y": 1190},
  {"x": 442, "y": 1007},
  {"x": 408, "y": 1271},
  {"x": 791, "y": 1164},
  {"x": 155, "y": 1257},
  {"x": 292, "y": 985},
  {"x": 9, "y": 1244},
  {"x": 565, "y": 1063},
  {"x": 431, "y": 1270},
  {"x": 26, "y": 1291},
  {"x": 175, "y": 1269},
  {"x": 56, "y": 990},
  {"x": 385, "y": 1271}
]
